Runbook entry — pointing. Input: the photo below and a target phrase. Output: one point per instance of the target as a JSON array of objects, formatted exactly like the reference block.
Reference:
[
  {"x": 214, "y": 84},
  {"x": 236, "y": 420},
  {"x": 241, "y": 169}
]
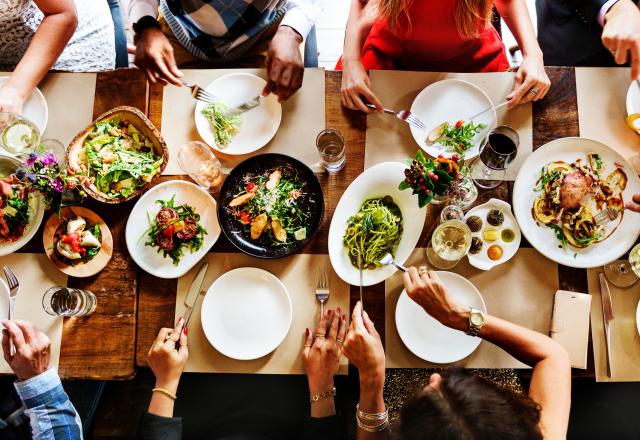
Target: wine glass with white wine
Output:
[
  {"x": 624, "y": 273},
  {"x": 450, "y": 242},
  {"x": 18, "y": 135}
]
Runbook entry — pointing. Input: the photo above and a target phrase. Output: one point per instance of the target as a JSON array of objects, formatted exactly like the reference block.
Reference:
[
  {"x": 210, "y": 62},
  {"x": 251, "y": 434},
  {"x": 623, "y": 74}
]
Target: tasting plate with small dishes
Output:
[
  {"x": 495, "y": 234},
  {"x": 270, "y": 206},
  {"x": 426, "y": 337},
  {"x": 557, "y": 193},
  {"x": 35, "y": 109},
  {"x": 373, "y": 206},
  {"x": 78, "y": 242},
  {"x": 171, "y": 228},
  {"x": 246, "y": 313},
  {"x": 244, "y": 133},
  {"x": 449, "y": 101}
]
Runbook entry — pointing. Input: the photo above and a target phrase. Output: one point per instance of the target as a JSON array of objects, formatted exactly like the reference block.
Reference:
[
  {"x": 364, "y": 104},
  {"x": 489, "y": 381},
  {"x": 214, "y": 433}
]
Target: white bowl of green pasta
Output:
[{"x": 373, "y": 218}]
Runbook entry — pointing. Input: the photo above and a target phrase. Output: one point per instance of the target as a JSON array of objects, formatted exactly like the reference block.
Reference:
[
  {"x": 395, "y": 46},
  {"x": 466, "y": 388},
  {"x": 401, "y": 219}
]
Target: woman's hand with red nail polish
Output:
[{"x": 168, "y": 355}]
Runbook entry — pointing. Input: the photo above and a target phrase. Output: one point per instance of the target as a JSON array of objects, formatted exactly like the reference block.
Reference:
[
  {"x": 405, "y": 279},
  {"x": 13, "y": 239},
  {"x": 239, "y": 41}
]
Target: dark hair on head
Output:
[{"x": 467, "y": 407}]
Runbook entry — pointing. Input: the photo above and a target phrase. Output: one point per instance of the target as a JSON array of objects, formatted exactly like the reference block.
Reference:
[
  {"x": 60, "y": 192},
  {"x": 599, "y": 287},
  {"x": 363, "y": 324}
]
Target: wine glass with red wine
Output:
[{"x": 501, "y": 148}]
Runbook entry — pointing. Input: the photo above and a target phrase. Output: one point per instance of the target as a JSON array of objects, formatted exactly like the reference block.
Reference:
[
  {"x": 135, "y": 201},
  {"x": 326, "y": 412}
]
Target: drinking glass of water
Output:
[
  {"x": 198, "y": 161},
  {"x": 497, "y": 154},
  {"x": 330, "y": 144},
  {"x": 66, "y": 301}
]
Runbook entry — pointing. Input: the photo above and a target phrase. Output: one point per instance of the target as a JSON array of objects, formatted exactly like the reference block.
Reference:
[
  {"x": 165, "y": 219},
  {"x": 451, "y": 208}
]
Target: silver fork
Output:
[
  {"x": 605, "y": 216},
  {"x": 201, "y": 94},
  {"x": 14, "y": 288},
  {"x": 252, "y": 103},
  {"x": 404, "y": 115},
  {"x": 322, "y": 288}
]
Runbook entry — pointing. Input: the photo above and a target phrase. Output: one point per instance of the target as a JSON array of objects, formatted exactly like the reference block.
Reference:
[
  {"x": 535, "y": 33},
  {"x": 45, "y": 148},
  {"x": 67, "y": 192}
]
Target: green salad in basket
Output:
[{"x": 118, "y": 159}]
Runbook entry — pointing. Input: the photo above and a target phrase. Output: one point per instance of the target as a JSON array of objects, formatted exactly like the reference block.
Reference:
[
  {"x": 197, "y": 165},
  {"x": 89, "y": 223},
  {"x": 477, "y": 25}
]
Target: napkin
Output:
[
  {"x": 298, "y": 273},
  {"x": 35, "y": 274},
  {"x": 389, "y": 139},
  {"x": 625, "y": 342},
  {"x": 302, "y": 119},
  {"x": 520, "y": 290}
]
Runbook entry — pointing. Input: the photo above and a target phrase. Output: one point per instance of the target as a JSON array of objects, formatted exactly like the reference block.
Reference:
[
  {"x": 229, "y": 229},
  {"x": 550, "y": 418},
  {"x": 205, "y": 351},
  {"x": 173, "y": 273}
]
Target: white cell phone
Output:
[{"x": 570, "y": 324}]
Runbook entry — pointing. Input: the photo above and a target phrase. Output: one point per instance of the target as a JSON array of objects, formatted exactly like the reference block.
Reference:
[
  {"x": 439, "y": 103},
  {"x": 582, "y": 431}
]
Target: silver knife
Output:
[
  {"x": 493, "y": 107},
  {"x": 360, "y": 269},
  {"x": 607, "y": 315},
  {"x": 194, "y": 291},
  {"x": 246, "y": 106}
]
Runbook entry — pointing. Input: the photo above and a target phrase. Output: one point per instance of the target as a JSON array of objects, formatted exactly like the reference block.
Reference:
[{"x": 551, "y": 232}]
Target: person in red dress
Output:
[{"x": 437, "y": 36}]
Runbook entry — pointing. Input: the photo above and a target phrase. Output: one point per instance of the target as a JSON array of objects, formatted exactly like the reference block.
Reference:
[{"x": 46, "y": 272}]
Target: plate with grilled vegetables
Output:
[
  {"x": 558, "y": 194},
  {"x": 270, "y": 206}
]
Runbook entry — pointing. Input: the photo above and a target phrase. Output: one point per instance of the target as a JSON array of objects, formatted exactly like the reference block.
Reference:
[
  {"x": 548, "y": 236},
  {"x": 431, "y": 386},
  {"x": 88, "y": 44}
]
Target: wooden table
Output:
[{"x": 133, "y": 305}]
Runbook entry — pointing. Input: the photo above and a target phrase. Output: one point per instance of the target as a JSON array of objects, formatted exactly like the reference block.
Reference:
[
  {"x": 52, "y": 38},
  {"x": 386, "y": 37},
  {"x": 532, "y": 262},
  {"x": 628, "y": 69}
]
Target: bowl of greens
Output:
[
  {"x": 270, "y": 206},
  {"x": 121, "y": 153}
]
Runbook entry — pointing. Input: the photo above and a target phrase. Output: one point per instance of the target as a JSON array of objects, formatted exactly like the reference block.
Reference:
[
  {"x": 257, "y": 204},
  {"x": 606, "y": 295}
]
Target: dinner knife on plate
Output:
[
  {"x": 607, "y": 315},
  {"x": 194, "y": 291}
]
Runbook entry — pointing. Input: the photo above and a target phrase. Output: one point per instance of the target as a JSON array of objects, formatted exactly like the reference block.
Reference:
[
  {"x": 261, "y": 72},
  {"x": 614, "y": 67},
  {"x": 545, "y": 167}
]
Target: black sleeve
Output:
[
  {"x": 322, "y": 428},
  {"x": 153, "y": 427},
  {"x": 587, "y": 10}
]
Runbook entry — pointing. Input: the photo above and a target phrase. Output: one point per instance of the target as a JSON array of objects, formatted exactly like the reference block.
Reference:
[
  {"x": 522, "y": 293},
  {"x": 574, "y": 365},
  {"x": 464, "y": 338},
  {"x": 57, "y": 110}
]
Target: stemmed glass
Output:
[
  {"x": 500, "y": 149},
  {"x": 625, "y": 273},
  {"x": 198, "y": 161},
  {"x": 18, "y": 135}
]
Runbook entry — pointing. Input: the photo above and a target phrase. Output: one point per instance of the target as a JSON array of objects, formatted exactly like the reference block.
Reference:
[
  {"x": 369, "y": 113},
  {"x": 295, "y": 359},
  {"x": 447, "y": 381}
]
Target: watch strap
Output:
[{"x": 473, "y": 328}]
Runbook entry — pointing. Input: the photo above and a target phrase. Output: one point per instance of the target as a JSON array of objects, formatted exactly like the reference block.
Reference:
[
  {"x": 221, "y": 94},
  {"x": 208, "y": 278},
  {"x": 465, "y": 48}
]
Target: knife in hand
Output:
[
  {"x": 194, "y": 291},
  {"x": 607, "y": 316}
]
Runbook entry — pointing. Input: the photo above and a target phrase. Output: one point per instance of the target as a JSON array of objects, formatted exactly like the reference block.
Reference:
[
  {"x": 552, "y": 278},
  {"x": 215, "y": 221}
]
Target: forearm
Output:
[
  {"x": 161, "y": 404},
  {"x": 359, "y": 23},
  {"x": 371, "y": 401},
  {"x": 516, "y": 16}
]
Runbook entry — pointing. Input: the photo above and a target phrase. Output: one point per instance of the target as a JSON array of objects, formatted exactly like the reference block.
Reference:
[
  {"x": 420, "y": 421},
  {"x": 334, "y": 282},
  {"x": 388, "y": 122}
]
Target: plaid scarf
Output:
[{"x": 220, "y": 31}]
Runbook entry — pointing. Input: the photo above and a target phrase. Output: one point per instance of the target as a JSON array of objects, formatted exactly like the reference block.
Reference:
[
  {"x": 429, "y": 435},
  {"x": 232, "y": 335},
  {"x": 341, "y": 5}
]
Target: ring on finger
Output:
[
  {"x": 169, "y": 338},
  {"x": 339, "y": 341},
  {"x": 533, "y": 91},
  {"x": 307, "y": 345},
  {"x": 423, "y": 270},
  {"x": 320, "y": 336}
]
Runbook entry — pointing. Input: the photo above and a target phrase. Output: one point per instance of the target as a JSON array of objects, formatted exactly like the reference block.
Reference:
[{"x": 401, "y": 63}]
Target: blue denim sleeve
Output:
[{"x": 51, "y": 413}]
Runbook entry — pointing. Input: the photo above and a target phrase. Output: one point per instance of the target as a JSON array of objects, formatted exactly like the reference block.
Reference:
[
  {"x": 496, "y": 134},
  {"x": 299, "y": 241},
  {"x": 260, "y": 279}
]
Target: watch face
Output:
[{"x": 477, "y": 318}]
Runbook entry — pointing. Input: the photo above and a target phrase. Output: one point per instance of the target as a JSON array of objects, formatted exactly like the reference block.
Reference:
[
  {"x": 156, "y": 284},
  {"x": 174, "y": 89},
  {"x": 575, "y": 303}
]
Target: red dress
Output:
[{"x": 432, "y": 43}]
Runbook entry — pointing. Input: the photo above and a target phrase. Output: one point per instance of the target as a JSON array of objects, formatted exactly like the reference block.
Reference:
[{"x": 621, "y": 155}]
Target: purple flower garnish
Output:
[
  {"x": 33, "y": 157},
  {"x": 57, "y": 185},
  {"x": 48, "y": 159},
  {"x": 32, "y": 178},
  {"x": 20, "y": 173}
]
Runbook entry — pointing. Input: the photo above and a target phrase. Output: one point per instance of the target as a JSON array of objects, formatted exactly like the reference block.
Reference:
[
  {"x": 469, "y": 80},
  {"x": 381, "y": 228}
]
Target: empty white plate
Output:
[
  {"x": 425, "y": 337},
  {"x": 246, "y": 313},
  {"x": 258, "y": 126},
  {"x": 451, "y": 100},
  {"x": 35, "y": 109}
]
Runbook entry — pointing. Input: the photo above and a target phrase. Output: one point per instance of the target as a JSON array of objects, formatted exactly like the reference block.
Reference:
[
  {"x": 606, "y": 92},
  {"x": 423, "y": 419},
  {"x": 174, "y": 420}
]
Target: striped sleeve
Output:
[{"x": 51, "y": 413}]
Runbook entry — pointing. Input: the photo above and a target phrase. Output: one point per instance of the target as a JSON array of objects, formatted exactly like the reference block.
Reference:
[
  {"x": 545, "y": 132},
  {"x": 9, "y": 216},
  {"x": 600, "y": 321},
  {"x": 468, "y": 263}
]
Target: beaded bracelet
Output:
[{"x": 165, "y": 392}]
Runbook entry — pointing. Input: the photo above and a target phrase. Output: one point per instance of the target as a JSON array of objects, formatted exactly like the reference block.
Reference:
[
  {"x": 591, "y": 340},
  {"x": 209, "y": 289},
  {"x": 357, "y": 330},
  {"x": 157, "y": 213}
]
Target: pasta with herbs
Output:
[{"x": 373, "y": 232}]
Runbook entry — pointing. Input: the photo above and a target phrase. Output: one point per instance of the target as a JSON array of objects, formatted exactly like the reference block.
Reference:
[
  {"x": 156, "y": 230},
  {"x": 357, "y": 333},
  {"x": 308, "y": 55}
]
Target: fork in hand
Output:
[
  {"x": 14, "y": 288},
  {"x": 201, "y": 94},
  {"x": 322, "y": 288},
  {"x": 404, "y": 115},
  {"x": 605, "y": 216}
]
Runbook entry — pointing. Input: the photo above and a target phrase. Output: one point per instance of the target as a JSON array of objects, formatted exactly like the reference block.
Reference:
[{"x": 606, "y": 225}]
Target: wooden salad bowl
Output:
[
  {"x": 142, "y": 124},
  {"x": 81, "y": 270}
]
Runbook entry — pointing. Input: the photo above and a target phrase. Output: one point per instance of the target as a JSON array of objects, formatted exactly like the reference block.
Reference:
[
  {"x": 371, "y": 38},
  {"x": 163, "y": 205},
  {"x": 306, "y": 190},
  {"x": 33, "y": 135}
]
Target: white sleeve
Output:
[
  {"x": 139, "y": 8},
  {"x": 301, "y": 15},
  {"x": 604, "y": 9}
]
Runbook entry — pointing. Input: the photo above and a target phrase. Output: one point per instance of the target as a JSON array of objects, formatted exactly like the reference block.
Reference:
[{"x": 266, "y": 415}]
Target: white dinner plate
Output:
[
  {"x": 4, "y": 301},
  {"x": 451, "y": 100},
  {"x": 378, "y": 181},
  {"x": 543, "y": 238},
  {"x": 35, "y": 108},
  {"x": 426, "y": 337},
  {"x": 258, "y": 126},
  {"x": 147, "y": 257},
  {"x": 481, "y": 260},
  {"x": 246, "y": 313}
]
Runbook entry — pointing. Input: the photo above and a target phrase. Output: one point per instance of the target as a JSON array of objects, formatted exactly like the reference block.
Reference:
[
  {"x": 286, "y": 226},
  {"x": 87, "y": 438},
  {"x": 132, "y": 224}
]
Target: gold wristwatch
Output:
[{"x": 476, "y": 321}]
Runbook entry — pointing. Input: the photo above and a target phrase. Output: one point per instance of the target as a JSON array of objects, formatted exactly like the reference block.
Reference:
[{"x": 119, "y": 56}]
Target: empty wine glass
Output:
[
  {"x": 624, "y": 273},
  {"x": 198, "y": 161},
  {"x": 500, "y": 149}
]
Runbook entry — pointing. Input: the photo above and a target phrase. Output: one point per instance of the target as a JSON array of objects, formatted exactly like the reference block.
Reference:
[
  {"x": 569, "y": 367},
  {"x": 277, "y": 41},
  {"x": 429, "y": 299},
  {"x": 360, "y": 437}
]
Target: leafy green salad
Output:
[
  {"x": 118, "y": 159},
  {"x": 224, "y": 127}
]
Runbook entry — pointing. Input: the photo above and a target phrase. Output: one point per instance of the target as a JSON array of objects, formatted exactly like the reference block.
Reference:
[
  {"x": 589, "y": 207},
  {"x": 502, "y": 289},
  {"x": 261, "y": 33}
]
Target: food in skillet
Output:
[
  {"x": 15, "y": 208},
  {"x": 76, "y": 242},
  {"x": 271, "y": 207},
  {"x": 571, "y": 194},
  {"x": 374, "y": 231},
  {"x": 174, "y": 229},
  {"x": 224, "y": 127},
  {"x": 118, "y": 159},
  {"x": 456, "y": 138}
]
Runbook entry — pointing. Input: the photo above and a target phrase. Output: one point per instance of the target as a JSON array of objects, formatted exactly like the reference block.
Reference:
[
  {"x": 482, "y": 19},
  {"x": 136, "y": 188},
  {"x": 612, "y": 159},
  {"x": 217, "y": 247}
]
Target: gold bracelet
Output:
[
  {"x": 373, "y": 428},
  {"x": 330, "y": 393},
  {"x": 165, "y": 392},
  {"x": 374, "y": 417}
]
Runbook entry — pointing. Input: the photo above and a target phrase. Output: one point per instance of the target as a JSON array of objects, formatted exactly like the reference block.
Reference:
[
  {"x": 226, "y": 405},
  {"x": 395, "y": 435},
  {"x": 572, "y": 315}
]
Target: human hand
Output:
[
  {"x": 621, "y": 34},
  {"x": 323, "y": 350},
  {"x": 33, "y": 348},
  {"x": 355, "y": 91},
  {"x": 284, "y": 64},
  {"x": 165, "y": 360},
  {"x": 530, "y": 77},
  {"x": 12, "y": 99},
  {"x": 634, "y": 205},
  {"x": 154, "y": 56},
  {"x": 426, "y": 289},
  {"x": 363, "y": 347}
]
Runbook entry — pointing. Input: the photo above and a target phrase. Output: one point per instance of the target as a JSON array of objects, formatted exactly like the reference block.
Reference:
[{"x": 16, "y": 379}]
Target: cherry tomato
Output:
[
  {"x": 460, "y": 123},
  {"x": 168, "y": 232},
  {"x": 250, "y": 187},
  {"x": 455, "y": 158},
  {"x": 245, "y": 218},
  {"x": 74, "y": 240}
]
